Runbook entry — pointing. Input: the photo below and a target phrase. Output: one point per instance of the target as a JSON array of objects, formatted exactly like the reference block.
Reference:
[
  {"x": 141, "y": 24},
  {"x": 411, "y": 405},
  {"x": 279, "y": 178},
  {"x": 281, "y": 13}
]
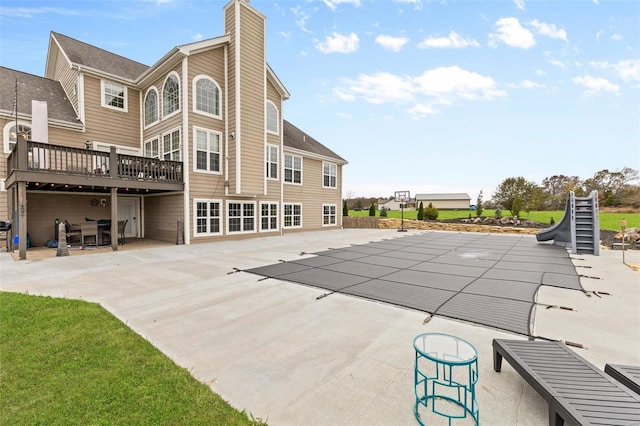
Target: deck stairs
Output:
[{"x": 585, "y": 225}]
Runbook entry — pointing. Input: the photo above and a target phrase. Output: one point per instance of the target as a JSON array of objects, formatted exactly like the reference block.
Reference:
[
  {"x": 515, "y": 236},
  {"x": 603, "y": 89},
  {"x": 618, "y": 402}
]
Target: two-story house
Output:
[{"x": 191, "y": 149}]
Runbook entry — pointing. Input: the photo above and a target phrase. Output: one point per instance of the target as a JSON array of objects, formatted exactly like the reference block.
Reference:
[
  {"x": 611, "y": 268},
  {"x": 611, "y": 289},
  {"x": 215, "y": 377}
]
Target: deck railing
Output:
[{"x": 36, "y": 156}]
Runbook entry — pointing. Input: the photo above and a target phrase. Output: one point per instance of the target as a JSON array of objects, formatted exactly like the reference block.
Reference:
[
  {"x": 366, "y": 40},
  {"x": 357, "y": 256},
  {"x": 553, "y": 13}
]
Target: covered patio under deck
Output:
[{"x": 42, "y": 168}]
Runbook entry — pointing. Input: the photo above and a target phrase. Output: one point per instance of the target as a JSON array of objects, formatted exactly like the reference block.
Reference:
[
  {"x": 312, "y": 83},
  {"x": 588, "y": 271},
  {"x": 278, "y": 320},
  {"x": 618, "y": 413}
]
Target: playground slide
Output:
[{"x": 561, "y": 231}]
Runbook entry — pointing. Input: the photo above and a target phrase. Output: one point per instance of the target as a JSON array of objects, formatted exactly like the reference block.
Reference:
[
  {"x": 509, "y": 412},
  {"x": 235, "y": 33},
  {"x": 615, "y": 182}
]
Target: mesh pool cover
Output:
[{"x": 485, "y": 279}]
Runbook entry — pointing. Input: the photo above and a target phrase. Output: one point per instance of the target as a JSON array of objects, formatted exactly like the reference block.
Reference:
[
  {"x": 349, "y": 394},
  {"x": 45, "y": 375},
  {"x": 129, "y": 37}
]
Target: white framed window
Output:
[
  {"x": 328, "y": 214},
  {"x": 152, "y": 148},
  {"x": 293, "y": 215},
  {"x": 10, "y": 134},
  {"x": 171, "y": 95},
  {"x": 206, "y": 150},
  {"x": 292, "y": 169},
  {"x": 114, "y": 95},
  {"x": 207, "y": 217},
  {"x": 268, "y": 216},
  {"x": 329, "y": 175},
  {"x": 272, "y": 161},
  {"x": 206, "y": 96},
  {"x": 272, "y": 118},
  {"x": 241, "y": 217},
  {"x": 151, "y": 107},
  {"x": 171, "y": 145}
]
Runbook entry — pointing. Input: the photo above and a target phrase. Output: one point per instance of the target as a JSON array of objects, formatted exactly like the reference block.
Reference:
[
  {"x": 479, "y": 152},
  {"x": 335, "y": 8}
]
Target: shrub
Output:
[
  {"x": 421, "y": 212},
  {"x": 479, "y": 207},
  {"x": 552, "y": 221},
  {"x": 383, "y": 212},
  {"x": 345, "y": 208},
  {"x": 372, "y": 210},
  {"x": 431, "y": 213},
  {"x": 516, "y": 206},
  {"x": 498, "y": 213}
]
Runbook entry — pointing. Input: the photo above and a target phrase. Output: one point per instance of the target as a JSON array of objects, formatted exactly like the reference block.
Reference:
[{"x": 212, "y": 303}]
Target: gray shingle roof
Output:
[
  {"x": 451, "y": 196},
  {"x": 93, "y": 57},
  {"x": 297, "y": 139},
  {"x": 31, "y": 87}
]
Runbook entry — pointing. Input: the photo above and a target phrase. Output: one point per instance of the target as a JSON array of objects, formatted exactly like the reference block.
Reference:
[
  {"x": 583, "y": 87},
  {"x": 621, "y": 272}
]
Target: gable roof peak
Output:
[{"x": 95, "y": 58}]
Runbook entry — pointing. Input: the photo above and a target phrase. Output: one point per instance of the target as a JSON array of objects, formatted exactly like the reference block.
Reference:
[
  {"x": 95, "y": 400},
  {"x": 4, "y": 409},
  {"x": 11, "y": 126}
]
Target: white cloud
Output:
[
  {"x": 285, "y": 34},
  {"x": 455, "y": 82},
  {"x": 519, "y": 4},
  {"x": 416, "y": 3},
  {"x": 438, "y": 86},
  {"x": 595, "y": 85},
  {"x": 378, "y": 88},
  {"x": 558, "y": 64},
  {"x": 338, "y": 43},
  {"x": 332, "y": 4},
  {"x": 596, "y": 1},
  {"x": 300, "y": 18},
  {"x": 541, "y": 72},
  {"x": 392, "y": 43},
  {"x": 549, "y": 30},
  {"x": 526, "y": 84},
  {"x": 616, "y": 37},
  {"x": 421, "y": 110},
  {"x": 30, "y": 12},
  {"x": 453, "y": 40},
  {"x": 599, "y": 34},
  {"x": 197, "y": 37},
  {"x": 510, "y": 32},
  {"x": 627, "y": 70}
]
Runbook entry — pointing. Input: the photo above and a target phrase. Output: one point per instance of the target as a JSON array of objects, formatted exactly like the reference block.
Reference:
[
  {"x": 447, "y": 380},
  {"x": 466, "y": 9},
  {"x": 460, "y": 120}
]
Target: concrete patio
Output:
[{"x": 271, "y": 348}]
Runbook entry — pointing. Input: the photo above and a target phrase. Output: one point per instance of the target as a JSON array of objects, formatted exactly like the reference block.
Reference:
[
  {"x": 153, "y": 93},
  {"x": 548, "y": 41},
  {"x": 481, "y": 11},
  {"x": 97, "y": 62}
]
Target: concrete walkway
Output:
[{"x": 271, "y": 348}]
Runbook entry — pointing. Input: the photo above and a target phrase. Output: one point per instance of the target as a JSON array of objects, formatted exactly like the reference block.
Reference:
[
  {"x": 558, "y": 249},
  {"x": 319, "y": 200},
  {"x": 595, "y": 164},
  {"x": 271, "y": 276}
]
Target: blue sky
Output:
[{"x": 425, "y": 96}]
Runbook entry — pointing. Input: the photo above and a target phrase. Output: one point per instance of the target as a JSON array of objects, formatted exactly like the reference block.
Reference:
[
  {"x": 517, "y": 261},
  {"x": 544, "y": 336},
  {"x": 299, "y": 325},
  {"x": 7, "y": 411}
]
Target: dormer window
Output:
[{"x": 114, "y": 95}]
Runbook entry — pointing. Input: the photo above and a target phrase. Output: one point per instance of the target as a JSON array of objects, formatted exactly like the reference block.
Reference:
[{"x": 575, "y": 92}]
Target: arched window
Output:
[
  {"x": 171, "y": 95},
  {"x": 206, "y": 96},
  {"x": 10, "y": 135},
  {"x": 151, "y": 107},
  {"x": 272, "y": 118}
]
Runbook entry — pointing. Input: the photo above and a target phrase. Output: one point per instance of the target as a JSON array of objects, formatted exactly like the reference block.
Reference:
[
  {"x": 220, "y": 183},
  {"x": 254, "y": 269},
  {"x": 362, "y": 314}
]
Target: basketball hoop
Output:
[{"x": 402, "y": 197}]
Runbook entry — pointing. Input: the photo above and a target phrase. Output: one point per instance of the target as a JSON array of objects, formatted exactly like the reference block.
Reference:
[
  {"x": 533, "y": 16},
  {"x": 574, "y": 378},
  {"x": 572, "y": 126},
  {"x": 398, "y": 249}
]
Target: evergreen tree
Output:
[
  {"x": 372, "y": 210},
  {"x": 345, "y": 208},
  {"x": 479, "y": 208},
  {"x": 421, "y": 212}
]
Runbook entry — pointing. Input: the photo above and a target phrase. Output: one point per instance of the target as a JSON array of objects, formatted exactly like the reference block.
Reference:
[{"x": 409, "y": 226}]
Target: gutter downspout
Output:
[
  {"x": 226, "y": 121},
  {"x": 185, "y": 150}
]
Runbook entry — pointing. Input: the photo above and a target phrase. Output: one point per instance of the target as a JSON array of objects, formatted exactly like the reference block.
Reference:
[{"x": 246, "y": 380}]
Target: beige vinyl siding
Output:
[
  {"x": 45, "y": 207},
  {"x": 445, "y": 204},
  {"x": 230, "y": 25},
  {"x": 107, "y": 125},
  {"x": 164, "y": 125},
  {"x": 312, "y": 195},
  {"x": 252, "y": 72},
  {"x": 161, "y": 214},
  {"x": 67, "y": 77},
  {"x": 211, "y": 64}
]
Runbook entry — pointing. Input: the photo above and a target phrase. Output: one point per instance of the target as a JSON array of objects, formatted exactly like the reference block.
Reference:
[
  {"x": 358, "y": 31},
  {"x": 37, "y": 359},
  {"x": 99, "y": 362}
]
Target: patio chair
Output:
[
  {"x": 122, "y": 224},
  {"x": 577, "y": 392},
  {"x": 73, "y": 232},
  {"x": 89, "y": 230}
]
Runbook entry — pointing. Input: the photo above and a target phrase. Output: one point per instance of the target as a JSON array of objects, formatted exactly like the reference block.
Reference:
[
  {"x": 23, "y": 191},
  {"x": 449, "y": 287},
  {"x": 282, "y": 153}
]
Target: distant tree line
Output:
[
  {"x": 615, "y": 189},
  {"x": 516, "y": 194}
]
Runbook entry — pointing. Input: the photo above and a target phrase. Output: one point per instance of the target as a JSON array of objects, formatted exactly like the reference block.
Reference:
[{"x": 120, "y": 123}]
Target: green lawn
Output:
[
  {"x": 71, "y": 362},
  {"x": 607, "y": 220}
]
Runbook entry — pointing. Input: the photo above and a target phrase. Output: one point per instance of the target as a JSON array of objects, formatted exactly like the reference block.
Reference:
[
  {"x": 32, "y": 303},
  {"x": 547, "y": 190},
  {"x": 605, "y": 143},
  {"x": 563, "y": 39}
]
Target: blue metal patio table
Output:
[{"x": 445, "y": 377}]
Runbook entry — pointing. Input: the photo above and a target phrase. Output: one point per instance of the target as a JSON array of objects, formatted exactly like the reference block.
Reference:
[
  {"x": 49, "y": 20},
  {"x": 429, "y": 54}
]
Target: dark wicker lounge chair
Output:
[{"x": 577, "y": 392}]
